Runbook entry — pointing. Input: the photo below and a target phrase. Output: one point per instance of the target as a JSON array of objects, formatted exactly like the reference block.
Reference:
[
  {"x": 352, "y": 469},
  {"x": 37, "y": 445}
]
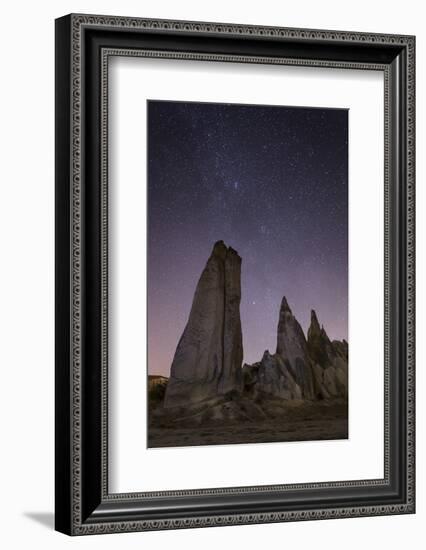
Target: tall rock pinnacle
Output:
[
  {"x": 330, "y": 361},
  {"x": 292, "y": 348},
  {"x": 315, "y": 326},
  {"x": 320, "y": 348},
  {"x": 208, "y": 357}
]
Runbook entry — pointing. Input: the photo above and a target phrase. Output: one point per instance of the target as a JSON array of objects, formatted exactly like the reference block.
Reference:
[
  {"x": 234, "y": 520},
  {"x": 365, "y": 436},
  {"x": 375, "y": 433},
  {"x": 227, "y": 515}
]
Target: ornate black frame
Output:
[{"x": 83, "y": 46}]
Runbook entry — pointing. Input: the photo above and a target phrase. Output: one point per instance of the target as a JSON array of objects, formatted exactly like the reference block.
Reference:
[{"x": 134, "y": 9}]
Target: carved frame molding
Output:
[{"x": 110, "y": 515}]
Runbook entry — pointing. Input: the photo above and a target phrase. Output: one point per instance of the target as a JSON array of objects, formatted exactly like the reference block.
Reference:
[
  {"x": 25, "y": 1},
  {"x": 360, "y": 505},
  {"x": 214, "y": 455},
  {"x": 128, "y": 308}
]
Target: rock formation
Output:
[
  {"x": 271, "y": 376},
  {"x": 329, "y": 360},
  {"x": 292, "y": 348},
  {"x": 208, "y": 358},
  {"x": 230, "y": 378},
  {"x": 300, "y": 369},
  {"x": 287, "y": 374}
]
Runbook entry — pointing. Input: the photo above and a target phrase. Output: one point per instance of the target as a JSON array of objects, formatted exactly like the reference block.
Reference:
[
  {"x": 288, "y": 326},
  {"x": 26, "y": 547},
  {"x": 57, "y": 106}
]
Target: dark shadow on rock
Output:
[{"x": 47, "y": 519}]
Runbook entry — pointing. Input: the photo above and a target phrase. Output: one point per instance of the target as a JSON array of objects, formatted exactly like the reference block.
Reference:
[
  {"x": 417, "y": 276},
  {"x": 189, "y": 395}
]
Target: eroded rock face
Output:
[
  {"x": 292, "y": 348},
  {"x": 288, "y": 373},
  {"x": 320, "y": 347},
  {"x": 300, "y": 369},
  {"x": 330, "y": 361},
  {"x": 341, "y": 348},
  {"x": 208, "y": 357},
  {"x": 230, "y": 378},
  {"x": 272, "y": 377}
]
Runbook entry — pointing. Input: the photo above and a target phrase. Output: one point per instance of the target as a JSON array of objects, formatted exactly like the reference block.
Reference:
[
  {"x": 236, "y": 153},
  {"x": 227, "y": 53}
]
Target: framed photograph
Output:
[{"x": 234, "y": 274}]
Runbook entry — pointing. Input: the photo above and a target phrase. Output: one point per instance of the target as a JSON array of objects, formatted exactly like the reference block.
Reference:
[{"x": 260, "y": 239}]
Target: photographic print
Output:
[{"x": 247, "y": 273}]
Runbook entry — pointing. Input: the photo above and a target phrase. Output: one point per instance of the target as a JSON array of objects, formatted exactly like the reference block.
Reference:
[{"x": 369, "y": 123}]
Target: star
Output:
[{"x": 270, "y": 181}]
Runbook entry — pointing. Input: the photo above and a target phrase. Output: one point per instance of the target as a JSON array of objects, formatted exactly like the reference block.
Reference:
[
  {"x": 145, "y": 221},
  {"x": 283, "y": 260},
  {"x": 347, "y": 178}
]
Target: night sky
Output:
[{"x": 272, "y": 182}]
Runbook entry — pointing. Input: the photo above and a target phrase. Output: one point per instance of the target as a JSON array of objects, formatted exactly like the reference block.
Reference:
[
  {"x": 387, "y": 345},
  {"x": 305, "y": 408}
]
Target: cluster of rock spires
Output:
[
  {"x": 310, "y": 369},
  {"x": 208, "y": 358}
]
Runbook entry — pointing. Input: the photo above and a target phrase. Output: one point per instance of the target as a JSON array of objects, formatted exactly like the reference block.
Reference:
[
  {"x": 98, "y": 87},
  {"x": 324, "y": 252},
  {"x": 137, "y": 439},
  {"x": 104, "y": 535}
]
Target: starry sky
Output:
[{"x": 270, "y": 181}]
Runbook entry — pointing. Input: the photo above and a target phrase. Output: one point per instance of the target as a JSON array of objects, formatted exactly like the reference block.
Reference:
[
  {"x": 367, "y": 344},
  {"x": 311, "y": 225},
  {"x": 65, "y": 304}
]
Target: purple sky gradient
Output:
[{"x": 272, "y": 182}]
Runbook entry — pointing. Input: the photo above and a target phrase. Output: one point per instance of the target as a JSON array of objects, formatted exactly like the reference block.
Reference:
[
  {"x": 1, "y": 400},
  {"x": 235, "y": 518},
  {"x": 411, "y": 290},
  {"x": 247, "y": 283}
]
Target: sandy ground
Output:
[{"x": 309, "y": 422}]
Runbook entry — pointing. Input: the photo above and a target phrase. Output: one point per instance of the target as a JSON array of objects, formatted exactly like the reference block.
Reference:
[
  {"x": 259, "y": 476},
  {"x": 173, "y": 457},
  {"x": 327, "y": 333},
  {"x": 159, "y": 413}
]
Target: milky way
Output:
[{"x": 272, "y": 182}]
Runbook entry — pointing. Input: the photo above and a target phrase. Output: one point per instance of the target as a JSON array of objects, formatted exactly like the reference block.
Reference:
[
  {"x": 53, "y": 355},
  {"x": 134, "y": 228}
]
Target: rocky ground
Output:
[{"x": 239, "y": 419}]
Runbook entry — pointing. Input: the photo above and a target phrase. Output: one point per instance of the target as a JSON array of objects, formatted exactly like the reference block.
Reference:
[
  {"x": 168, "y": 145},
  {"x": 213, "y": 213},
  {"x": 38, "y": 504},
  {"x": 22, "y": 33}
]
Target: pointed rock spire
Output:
[
  {"x": 320, "y": 347},
  {"x": 291, "y": 341},
  {"x": 284, "y": 306},
  {"x": 208, "y": 357},
  {"x": 316, "y": 344},
  {"x": 314, "y": 327},
  {"x": 292, "y": 348},
  {"x": 219, "y": 249}
]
